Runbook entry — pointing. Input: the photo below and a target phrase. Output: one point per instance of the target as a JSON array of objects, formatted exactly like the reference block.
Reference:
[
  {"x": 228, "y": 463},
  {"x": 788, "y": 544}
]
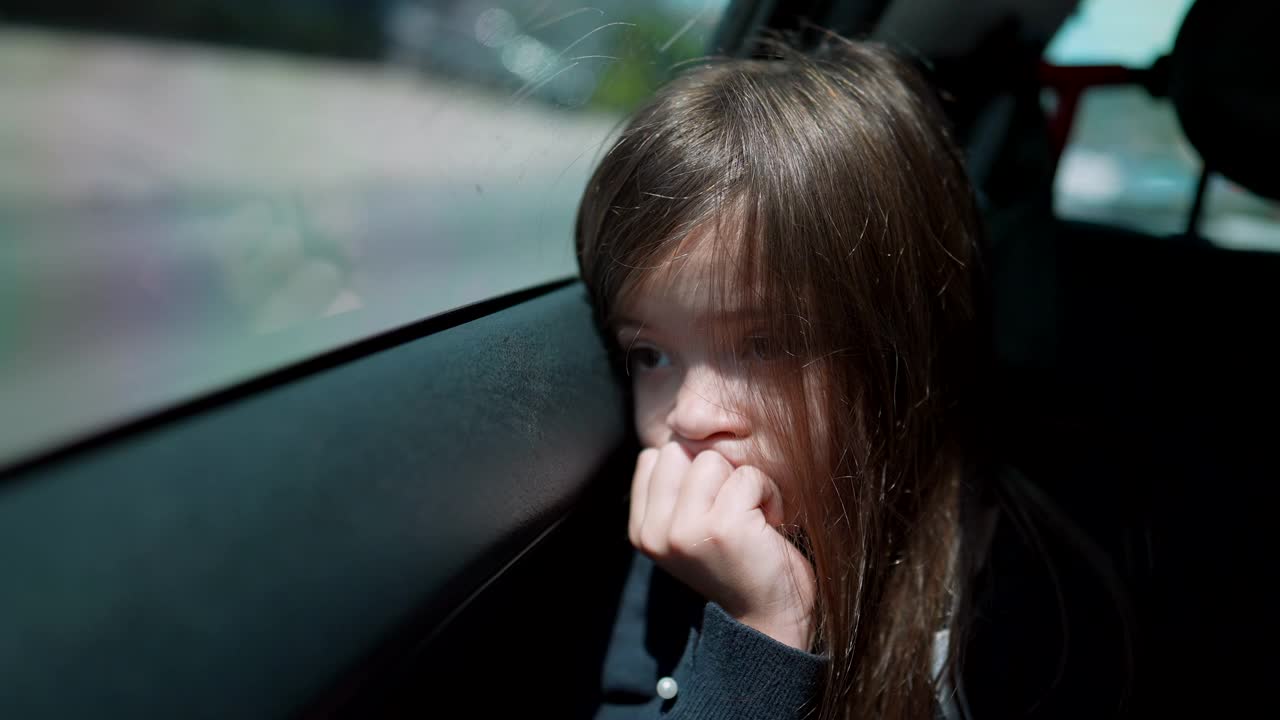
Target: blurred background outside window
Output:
[
  {"x": 1127, "y": 161},
  {"x": 194, "y": 192}
]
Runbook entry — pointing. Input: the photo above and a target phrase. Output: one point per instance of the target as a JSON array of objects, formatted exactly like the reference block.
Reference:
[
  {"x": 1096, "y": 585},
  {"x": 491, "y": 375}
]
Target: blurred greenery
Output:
[{"x": 645, "y": 66}]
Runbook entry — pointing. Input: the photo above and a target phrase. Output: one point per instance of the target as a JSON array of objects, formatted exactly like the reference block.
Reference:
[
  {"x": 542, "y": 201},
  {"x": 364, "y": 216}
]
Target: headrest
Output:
[{"x": 1225, "y": 85}]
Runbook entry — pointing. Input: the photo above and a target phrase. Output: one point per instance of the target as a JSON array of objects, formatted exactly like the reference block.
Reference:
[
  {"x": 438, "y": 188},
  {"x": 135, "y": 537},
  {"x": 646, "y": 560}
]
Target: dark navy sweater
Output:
[{"x": 721, "y": 668}]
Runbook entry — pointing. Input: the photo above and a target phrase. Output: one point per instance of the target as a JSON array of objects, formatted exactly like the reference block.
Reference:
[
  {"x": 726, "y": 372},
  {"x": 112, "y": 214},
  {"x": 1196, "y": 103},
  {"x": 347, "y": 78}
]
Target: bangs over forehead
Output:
[{"x": 705, "y": 266}]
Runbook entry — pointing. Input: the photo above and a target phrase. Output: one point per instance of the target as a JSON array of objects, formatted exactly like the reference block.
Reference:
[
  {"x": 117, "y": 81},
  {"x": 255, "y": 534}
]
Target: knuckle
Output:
[
  {"x": 710, "y": 459},
  {"x": 747, "y": 477},
  {"x": 650, "y": 544},
  {"x": 645, "y": 462},
  {"x": 684, "y": 540},
  {"x": 720, "y": 530},
  {"x": 705, "y": 456}
]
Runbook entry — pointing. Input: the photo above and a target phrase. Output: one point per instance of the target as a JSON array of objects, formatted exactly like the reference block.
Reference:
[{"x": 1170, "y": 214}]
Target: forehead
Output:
[{"x": 696, "y": 282}]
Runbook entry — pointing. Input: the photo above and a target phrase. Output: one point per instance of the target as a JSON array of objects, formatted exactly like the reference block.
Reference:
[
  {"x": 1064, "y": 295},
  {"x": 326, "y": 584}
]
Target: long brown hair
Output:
[{"x": 830, "y": 187}]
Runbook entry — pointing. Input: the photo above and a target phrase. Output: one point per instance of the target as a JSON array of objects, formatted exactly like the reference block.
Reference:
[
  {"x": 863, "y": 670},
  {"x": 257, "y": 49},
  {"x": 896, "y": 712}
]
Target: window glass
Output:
[
  {"x": 1127, "y": 161},
  {"x": 195, "y": 192}
]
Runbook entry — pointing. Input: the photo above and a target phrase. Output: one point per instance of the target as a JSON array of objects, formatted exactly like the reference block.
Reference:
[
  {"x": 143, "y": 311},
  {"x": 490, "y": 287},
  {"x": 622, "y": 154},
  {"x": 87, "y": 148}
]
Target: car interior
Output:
[{"x": 436, "y": 512}]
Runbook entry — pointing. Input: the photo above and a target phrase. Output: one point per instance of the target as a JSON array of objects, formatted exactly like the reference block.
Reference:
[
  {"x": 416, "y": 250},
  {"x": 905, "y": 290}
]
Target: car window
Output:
[
  {"x": 195, "y": 192},
  {"x": 1127, "y": 161}
]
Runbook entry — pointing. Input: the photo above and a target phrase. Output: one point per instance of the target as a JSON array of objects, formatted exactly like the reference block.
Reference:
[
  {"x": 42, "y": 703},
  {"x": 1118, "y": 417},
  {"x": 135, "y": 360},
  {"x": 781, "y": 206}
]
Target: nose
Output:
[{"x": 704, "y": 410}]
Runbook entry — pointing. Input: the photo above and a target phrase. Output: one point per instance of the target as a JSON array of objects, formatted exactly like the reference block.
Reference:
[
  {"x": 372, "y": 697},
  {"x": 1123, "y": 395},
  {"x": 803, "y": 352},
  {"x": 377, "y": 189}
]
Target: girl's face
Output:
[{"x": 683, "y": 392}]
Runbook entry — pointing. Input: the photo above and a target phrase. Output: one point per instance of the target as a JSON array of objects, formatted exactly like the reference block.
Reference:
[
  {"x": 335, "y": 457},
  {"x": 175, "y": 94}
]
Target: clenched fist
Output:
[{"x": 714, "y": 528}]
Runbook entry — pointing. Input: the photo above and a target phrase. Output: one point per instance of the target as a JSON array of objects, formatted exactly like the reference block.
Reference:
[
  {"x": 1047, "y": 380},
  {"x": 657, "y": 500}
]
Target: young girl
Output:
[{"x": 781, "y": 252}]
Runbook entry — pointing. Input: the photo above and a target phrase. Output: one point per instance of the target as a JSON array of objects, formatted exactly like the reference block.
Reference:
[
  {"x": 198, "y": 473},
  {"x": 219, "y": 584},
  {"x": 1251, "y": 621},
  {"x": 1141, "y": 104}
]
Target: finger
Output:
[
  {"x": 664, "y": 490},
  {"x": 748, "y": 489},
  {"x": 707, "y": 474},
  {"x": 640, "y": 492}
]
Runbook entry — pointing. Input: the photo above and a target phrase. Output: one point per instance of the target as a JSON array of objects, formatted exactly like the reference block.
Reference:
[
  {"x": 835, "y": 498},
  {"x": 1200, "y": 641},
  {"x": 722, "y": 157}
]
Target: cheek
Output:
[
  {"x": 772, "y": 444},
  {"x": 768, "y": 457},
  {"x": 650, "y": 414}
]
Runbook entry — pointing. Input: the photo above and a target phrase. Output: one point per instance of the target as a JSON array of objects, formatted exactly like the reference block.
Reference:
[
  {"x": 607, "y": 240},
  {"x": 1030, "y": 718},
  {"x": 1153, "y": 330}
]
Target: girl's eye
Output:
[
  {"x": 760, "y": 349},
  {"x": 643, "y": 358}
]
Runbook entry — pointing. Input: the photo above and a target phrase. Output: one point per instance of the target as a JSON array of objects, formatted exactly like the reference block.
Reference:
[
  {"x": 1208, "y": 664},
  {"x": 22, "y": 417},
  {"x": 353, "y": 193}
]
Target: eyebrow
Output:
[{"x": 737, "y": 314}]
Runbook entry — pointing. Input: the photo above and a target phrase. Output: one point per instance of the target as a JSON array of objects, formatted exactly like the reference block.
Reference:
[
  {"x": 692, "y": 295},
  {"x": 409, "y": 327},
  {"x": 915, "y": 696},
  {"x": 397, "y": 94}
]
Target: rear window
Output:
[
  {"x": 1126, "y": 161},
  {"x": 197, "y": 192}
]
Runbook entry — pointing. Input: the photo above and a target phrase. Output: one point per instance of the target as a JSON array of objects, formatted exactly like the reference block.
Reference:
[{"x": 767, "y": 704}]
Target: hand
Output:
[{"x": 714, "y": 528}]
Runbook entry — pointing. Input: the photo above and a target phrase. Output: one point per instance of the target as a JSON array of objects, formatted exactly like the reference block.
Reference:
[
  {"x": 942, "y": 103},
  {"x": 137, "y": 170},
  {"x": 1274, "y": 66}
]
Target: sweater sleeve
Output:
[{"x": 739, "y": 672}]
